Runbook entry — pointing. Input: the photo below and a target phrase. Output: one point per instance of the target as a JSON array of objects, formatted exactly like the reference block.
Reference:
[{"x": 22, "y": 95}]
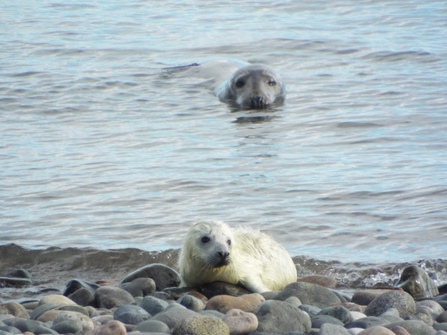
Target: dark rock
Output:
[
  {"x": 153, "y": 305},
  {"x": 20, "y": 273},
  {"x": 83, "y": 297},
  {"x": 309, "y": 309},
  {"x": 67, "y": 327},
  {"x": 442, "y": 300},
  {"x": 442, "y": 317},
  {"x": 338, "y": 312},
  {"x": 153, "y": 326},
  {"x": 173, "y": 316},
  {"x": 281, "y": 317},
  {"x": 33, "y": 326},
  {"x": 414, "y": 327},
  {"x": 162, "y": 275},
  {"x": 14, "y": 282},
  {"x": 417, "y": 283},
  {"x": 130, "y": 314},
  {"x": 364, "y": 297},
  {"x": 210, "y": 290},
  {"x": 74, "y": 308},
  {"x": 440, "y": 326},
  {"x": 400, "y": 300},
  {"x": 309, "y": 294},
  {"x": 139, "y": 287},
  {"x": 109, "y": 297},
  {"x": 367, "y": 322},
  {"x": 319, "y": 320},
  {"x": 76, "y": 284},
  {"x": 192, "y": 303},
  {"x": 174, "y": 293}
]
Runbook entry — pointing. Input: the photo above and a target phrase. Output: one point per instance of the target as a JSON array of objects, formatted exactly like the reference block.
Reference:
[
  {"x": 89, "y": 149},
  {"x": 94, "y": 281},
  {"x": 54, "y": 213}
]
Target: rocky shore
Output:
[{"x": 149, "y": 301}]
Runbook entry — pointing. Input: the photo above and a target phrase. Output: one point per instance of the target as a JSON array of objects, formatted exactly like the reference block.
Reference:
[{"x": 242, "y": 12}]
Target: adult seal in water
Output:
[
  {"x": 252, "y": 86},
  {"x": 417, "y": 283},
  {"x": 212, "y": 251}
]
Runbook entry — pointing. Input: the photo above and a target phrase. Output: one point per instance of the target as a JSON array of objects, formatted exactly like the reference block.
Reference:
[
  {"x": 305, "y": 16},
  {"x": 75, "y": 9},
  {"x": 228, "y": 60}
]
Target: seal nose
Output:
[
  {"x": 256, "y": 101},
  {"x": 223, "y": 255}
]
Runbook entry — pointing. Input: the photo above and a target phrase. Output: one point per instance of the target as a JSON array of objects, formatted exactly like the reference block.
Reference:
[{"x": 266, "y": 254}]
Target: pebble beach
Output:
[{"x": 92, "y": 292}]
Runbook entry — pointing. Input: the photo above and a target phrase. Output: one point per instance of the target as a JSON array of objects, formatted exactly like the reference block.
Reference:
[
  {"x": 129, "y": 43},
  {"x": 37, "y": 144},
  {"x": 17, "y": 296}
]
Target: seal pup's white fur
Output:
[{"x": 212, "y": 251}]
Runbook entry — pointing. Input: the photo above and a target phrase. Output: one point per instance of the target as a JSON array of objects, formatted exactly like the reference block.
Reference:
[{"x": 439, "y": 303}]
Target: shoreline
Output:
[{"x": 52, "y": 268}]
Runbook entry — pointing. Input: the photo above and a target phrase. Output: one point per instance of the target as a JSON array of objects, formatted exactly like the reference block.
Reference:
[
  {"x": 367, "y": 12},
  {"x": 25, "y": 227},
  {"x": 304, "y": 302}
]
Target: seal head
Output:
[{"x": 252, "y": 87}]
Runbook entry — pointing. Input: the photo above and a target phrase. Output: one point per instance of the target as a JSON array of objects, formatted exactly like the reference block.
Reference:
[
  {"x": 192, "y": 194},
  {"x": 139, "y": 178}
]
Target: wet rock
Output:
[
  {"x": 201, "y": 325},
  {"x": 324, "y": 281},
  {"x": 173, "y": 316},
  {"x": 319, "y": 320},
  {"x": 246, "y": 302},
  {"x": 153, "y": 305},
  {"x": 172, "y": 293},
  {"x": 220, "y": 288},
  {"x": 77, "y": 284},
  {"x": 417, "y": 283},
  {"x": 369, "y": 321},
  {"x": 130, "y": 314},
  {"x": 83, "y": 297},
  {"x": 14, "y": 309},
  {"x": 67, "y": 327},
  {"x": 309, "y": 309},
  {"x": 281, "y": 317},
  {"x": 15, "y": 282},
  {"x": 192, "y": 303},
  {"x": 109, "y": 297},
  {"x": 309, "y": 294},
  {"x": 338, "y": 312},
  {"x": 364, "y": 297},
  {"x": 331, "y": 329},
  {"x": 240, "y": 322},
  {"x": 110, "y": 328},
  {"x": 153, "y": 326},
  {"x": 442, "y": 300},
  {"x": 376, "y": 330},
  {"x": 400, "y": 300},
  {"x": 414, "y": 327},
  {"x": 34, "y": 327},
  {"x": 139, "y": 287},
  {"x": 56, "y": 299},
  {"x": 162, "y": 275}
]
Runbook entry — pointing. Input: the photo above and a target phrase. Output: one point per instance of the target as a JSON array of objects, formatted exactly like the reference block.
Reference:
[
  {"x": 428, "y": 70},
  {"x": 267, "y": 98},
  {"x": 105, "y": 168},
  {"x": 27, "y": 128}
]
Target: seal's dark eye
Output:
[
  {"x": 205, "y": 239},
  {"x": 229, "y": 242},
  {"x": 272, "y": 83},
  {"x": 239, "y": 83}
]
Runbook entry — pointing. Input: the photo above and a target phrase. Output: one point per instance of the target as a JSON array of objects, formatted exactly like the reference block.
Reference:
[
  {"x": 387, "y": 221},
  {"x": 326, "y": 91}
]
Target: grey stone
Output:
[
  {"x": 309, "y": 294},
  {"x": 153, "y": 305},
  {"x": 281, "y": 317},
  {"x": 192, "y": 303},
  {"x": 130, "y": 314},
  {"x": 153, "y": 326},
  {"x": 319, "y": 320},
  {"x": 309, "y": 309},
  {"x": 400, "y": 300},
  {"x": 339, "y": 312},
  {"x": 414, "y": 327},
  {"x": 109, "y": 297},
  {"x": 331, "y": 329},
  {"x": 139, "y": 287},
  {"x": 173, "y": 316},
  {"x": 201, "y": 325},
  {"x": 367, "y": 322},
  {"x": 162, "y": 275},
  {"x": 210, "y": 290},
  {"x": 83, "y": 297}
]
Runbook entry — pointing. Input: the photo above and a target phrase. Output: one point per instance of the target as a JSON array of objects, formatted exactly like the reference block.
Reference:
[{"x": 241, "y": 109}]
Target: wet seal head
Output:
[
  {"x": 252, "y": 87},
  {"x": 417, "y": 283}
]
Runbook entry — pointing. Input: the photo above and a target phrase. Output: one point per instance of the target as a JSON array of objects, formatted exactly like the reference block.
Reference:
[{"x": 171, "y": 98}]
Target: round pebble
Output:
[
  {"x": 246, "y": 302},
  {"x": 240, "y": 322}
]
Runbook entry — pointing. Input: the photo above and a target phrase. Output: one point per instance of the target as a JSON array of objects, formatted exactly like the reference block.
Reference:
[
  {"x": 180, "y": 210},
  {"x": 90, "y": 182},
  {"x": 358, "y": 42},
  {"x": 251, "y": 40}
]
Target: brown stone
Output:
[
  {"x": 112, "y": 327},
  {"x": 224, "y": 303},
  {"x": 376, "y": 330},
  {"x": 320, "y": 280},
  {"x": 240, "y": 322}
]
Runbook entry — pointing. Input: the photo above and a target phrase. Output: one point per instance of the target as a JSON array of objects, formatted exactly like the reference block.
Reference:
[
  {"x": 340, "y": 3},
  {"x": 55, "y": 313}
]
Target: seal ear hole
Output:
[
  {"x": 239, "y": 83},
  {"x": 205, "y": 239},
  {"x": 272, "y": 82},
  {"x": 229, "y": 242}
]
